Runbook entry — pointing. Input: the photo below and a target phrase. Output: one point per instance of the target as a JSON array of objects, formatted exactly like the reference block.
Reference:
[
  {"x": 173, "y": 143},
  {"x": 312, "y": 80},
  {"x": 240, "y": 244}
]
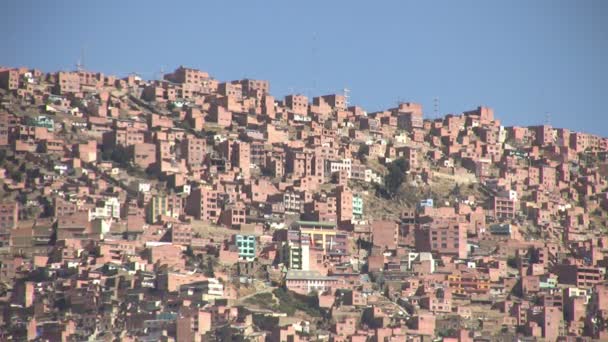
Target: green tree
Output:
[
  {"x": 17, "y": 176},
  {"x": 363, "y": 151},
  {"x": 119, "y": 154},
  {"x": 209, "y": 270},
  {"x": 2, "y": 157},
  {"x": 33, "y": 212},
  {"x": 456, "y": 190},
  {"x": 33, "y": 173},
  {"x": 395, "y": 177},
  {"x": 512, "y": 261},
  {"x": 22, "y": 198}
]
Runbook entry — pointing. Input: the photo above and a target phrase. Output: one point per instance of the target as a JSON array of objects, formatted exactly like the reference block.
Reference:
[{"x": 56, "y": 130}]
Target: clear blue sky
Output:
[{"x": 523, "y": 58}]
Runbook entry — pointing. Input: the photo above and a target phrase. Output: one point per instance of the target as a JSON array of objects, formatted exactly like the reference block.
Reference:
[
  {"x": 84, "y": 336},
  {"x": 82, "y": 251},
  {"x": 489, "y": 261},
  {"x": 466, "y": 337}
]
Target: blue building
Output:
[{"x": 426, "y": 203}]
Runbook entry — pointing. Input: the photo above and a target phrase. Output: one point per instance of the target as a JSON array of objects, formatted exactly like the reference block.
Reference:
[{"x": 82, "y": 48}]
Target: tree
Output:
[
  {"x": 22, "y": 198},
  {"x": 512, "y": 261},
  {"x": 17, "y": 176},
  {"x": 395, "y": 177},
  {"x": 33, "y": 212},
  {"x": 120, "y": 155},
  {"x": 363, "y": 151},
  {"x": 209, "y": 270},
  {"x": 47, "y": 206},
  {"x": 33, "y": 173},
  {"x": 456, "y": 190}
]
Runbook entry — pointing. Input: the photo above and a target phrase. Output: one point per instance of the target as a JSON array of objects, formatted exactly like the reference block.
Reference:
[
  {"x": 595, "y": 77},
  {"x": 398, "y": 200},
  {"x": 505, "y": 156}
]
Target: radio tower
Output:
[
  {"x": 547, "y": 118},
  {"x": 436, "y": 106},
  {"x": 400, "y": 100},
  {"x": 161, "y": 73},
  {"x": 80, "y": 61},
  {"x": 313, "y": 60},
  {"x": 346, "y": 96}
]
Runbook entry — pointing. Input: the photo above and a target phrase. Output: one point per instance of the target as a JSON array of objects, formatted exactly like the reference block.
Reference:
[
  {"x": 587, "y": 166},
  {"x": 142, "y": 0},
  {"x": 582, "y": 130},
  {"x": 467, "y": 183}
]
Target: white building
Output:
[
  {"x": 106, "y": 208},
  {"x": 332, "y": 166}
]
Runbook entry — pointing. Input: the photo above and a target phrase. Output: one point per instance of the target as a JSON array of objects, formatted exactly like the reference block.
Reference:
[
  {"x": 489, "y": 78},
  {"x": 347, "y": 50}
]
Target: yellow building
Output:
[{"x": 322, "y": 234}]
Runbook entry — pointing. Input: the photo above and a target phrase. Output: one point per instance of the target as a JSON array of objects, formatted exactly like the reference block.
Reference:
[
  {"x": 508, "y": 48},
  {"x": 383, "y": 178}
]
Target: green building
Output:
[
  {"x": 357, "y": 207},
  {"x": 246, "y": 246},
  {"x": 42, "y": 121}
]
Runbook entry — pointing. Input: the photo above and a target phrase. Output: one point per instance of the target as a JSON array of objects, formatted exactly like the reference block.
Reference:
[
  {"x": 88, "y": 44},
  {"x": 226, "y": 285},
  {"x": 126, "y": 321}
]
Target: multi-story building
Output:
[
  {"x": 584, "y": 277},
  {"x": 144, "y": 155},
  {"x": 9, "y": 79},
  {"x": 106, "y": 208},
  {"x": 181, "y": 234},
  {"x": 294, "y": 252},
  {"x": 204, "y": 290},
  {"x": 203, "y": 203},
  {"x": 164, "y": 205},
  {"x": 4, "y": 128},
  {"x": 442, "y": 238},
  {"x": 233, "y": 215},
  {"x": 194, "y": 150},
  {"x": 357, "y": 207},
  {"x": 504, "y": 208},
  {"x": 409, "y": 116},
  {"x": 344, "y": 205},
  {"x": 293, "y": 201},
  {"x": 298, "y": 104},
  {"x": 68, "y": 82},
  {"x": 9, "y": 215},
  {"x": 305, "y": 282},
  {"x": 322, "y": 234},
  {"x": 189, "y": 76},
  {"x": 344, "y": 165},
  {"x": 385, "y": 234},
  {"x": 246, "y": 245}
]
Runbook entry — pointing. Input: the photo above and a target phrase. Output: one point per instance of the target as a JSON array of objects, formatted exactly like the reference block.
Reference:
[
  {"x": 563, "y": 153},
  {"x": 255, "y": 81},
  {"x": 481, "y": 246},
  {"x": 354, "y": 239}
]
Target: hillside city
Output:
[{"x": 192, "y": 209}]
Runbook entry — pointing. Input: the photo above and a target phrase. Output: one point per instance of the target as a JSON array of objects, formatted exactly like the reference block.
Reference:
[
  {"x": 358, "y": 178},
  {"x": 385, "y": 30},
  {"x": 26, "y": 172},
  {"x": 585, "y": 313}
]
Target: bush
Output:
[
  {"x": 282, "y": 300},
  {"x": 263, "y": 300},
  {"x": 290, "y": 302}
]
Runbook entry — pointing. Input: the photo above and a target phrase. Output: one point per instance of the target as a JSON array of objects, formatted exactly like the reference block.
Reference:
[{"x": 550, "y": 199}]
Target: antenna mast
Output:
[
  {"x": 161, "y": 73},
  {"x": 346, "y": 96},
  {"x": 436, "y": 106},
  {"x": 80, "y": 61},
  {"x": 399, "y": 102},
  {"x": 314, "y": 62}
]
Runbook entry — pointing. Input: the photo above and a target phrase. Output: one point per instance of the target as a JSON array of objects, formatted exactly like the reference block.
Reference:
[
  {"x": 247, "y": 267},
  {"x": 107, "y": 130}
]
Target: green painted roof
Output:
[{"x": 315, "y": 223}]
